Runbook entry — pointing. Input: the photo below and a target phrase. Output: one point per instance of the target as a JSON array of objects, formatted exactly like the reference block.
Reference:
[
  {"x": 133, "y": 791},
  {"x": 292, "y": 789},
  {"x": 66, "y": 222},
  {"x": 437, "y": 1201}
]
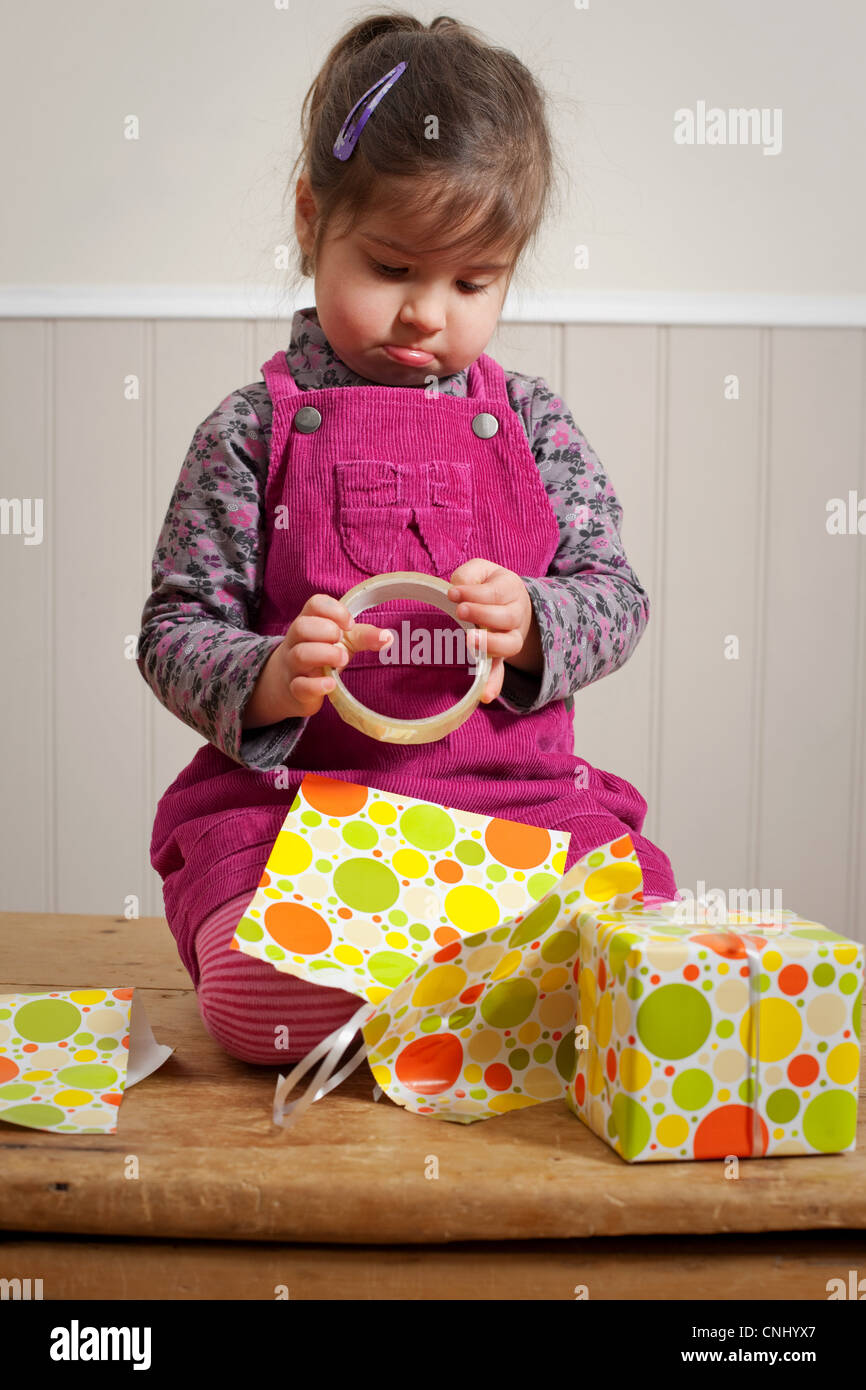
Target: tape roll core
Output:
[{"x": 424, "y": 588}]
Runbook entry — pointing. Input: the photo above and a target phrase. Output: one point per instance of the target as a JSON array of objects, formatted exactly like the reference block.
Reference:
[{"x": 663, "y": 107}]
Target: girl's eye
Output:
[{"x": 392, "y": 271}]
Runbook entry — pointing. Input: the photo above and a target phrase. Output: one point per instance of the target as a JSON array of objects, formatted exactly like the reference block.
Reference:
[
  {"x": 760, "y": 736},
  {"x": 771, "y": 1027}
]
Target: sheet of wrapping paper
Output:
[
  {"x": 681, "y": 1052},
  {"x": 68, "y": 1056},
  {"x": 362, "y": 885}
]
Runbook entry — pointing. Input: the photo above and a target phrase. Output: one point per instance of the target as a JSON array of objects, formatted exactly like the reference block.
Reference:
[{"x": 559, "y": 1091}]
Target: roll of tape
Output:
[{"x": 424, "y": 588}]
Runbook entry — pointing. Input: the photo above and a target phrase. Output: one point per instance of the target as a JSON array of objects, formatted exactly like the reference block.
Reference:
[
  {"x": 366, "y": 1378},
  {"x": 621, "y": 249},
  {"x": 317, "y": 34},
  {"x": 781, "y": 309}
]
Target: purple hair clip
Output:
[{"x": 350, "y": 130}]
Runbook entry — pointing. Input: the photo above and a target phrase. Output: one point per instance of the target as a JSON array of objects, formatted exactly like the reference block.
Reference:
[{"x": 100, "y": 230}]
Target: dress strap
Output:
[
  {"x": 278, "y": 378},
  {"x": 486, "y": 380}
]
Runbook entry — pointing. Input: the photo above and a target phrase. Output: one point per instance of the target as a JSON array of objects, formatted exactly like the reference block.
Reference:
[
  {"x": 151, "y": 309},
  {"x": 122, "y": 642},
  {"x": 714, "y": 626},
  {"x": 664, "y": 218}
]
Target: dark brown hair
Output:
[{"x": 486, "y": 181}]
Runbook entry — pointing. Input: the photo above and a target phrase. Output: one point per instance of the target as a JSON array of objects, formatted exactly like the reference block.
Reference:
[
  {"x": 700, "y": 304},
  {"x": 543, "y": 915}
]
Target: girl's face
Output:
[{"x": 397, "y": 314}]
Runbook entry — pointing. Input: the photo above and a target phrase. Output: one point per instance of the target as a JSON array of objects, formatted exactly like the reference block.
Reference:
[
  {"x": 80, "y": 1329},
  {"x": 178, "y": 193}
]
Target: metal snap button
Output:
[
  {"x": 307, "y": 419},
  {"x": 485, "y": 425}
]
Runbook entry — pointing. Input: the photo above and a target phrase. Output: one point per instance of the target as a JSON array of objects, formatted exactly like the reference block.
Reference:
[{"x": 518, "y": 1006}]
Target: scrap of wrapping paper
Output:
[
  {"x": 362, "y": 885},
  {"x": 704, "y": 1041},
  {"x": 67, "y": 1057}
]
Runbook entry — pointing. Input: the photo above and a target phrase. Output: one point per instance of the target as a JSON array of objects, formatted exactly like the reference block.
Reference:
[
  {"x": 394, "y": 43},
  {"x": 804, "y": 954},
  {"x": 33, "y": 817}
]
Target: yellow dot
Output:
[
  {"x": 290, "y": 855},
  {"x": 558, "y": 861},
  {"x": 634, "y": 1069},
  {"x": 71, "y": 1098},
  {"x": 519, "y": 875},
  {"x": 772, "y": 960},
  {"x": 529, "y": 1031},
  {"x": 843, "y": 1063},
  {"x": 604, "y": 1019},
  {"x": 723, "y": 967},
  {"x": 349, "y": 955},
  {"x": 32, "y": 1075},
  {"x": 777, "y": 1133},
  {"x": 724, "y": 1095},
  {"x": 441, "y": 983},
  {"x": 376, "y": 993},
  {"x": 382, "y": 813},
  {"x": 845, "y": 954},
  {"x": 272, "y": 892},
  {"x": 85, "y": 1055},
  {"x": 610, "y": 880},
  {"x": 382, "y": 1076},
  {"x": 672, "y": 1131},
  {"x": 507, "y": 965},
  {"x": 396, "y": 939},
  {"x": 472, "y": 1073},
  {"x": 410, "y": 863},
  {"x": 780, "y": 1028},
  {"x": 471, "y": 908},
  {"x": 87, "y": 996}
]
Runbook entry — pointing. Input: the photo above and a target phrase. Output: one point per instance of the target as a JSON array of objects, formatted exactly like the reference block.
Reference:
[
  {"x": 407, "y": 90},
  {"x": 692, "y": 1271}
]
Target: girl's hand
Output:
[
  {"x": 497, "y": 600},
  {"x": 291, "y": 683}
]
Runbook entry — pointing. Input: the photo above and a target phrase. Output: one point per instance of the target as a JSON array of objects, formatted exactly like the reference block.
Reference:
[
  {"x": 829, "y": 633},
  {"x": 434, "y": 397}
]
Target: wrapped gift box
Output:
[{"x": 741, "y": 1037}]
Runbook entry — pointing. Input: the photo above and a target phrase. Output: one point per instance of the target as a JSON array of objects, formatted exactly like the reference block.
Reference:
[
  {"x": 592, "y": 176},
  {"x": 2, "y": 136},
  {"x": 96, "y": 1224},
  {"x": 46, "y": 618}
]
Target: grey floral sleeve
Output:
[
  {"x": 591, "y": 608},
  {"x": 196, "y": 649}
]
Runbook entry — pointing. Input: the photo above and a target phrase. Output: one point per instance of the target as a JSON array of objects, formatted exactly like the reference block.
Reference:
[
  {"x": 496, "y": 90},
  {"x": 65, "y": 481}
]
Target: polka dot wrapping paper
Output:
[
  {"x": 677, "y": 1045},
  {"x": 68, "y": 1056}
]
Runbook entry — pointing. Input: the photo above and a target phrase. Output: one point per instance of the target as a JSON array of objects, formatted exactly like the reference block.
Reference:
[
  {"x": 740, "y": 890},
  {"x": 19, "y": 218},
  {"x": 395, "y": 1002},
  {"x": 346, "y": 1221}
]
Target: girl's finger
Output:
[
  {"x": 483, "y": 642},
  {"x": 497, "y": 616}
]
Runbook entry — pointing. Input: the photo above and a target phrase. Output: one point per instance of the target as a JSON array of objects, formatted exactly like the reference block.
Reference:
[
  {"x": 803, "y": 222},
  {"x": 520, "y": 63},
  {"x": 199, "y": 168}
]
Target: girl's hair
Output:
[{"x": 485, "y": 179}]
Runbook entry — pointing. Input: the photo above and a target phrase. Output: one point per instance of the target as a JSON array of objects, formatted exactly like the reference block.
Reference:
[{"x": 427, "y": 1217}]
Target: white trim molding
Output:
[{"x": 549, "y": 306}]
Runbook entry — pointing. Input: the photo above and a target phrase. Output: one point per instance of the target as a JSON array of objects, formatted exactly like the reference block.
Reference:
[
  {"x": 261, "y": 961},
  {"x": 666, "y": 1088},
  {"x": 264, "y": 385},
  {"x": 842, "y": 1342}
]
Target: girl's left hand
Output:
[{"x": 496, "y": 599}]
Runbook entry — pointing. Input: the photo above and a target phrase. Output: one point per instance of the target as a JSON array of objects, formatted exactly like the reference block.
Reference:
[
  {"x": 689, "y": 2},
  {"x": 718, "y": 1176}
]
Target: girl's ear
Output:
[{"x": 306, "y": 214}]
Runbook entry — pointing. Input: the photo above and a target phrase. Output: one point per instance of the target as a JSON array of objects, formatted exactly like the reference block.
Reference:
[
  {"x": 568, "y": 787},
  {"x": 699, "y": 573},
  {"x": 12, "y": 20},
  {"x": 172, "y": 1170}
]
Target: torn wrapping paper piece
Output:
[
  {"x": 363, "y": 885},
  {"x": 68, "y": 1056}
]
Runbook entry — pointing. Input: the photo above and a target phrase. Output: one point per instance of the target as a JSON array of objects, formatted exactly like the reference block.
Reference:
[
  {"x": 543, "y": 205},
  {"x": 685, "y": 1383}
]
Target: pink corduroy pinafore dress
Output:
[{"x": 364, "y": 480}]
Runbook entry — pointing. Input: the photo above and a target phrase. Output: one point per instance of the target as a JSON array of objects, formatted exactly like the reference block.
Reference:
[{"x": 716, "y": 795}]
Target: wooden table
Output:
[{"x": 227, "y": 1205}]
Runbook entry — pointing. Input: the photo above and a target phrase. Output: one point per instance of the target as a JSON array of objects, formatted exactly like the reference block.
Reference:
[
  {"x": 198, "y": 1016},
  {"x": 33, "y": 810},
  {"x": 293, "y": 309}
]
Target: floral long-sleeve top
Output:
[{"x": 197, "y": 649}]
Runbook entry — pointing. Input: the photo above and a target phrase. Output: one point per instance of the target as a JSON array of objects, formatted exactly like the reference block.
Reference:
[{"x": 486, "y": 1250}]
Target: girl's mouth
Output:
[{"x": 410, "y": 357}]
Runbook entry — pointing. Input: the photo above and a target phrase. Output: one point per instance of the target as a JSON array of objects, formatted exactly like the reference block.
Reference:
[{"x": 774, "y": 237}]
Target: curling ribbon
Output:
[{"x": 331, "y": 1048}]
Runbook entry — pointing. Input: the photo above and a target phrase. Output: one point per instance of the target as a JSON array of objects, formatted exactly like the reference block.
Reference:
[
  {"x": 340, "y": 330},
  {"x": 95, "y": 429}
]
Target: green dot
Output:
[
  {"x": 536, "y": 922},
  {"x": 107, "y": 1045},
  {"x": 634, "y": 988},
  {"x": 658, "y": 1108},
  {"x": 822, "y": 1047},
  {"x": 47, "y": 1020},
  {"x": 782, "y": 1106},
  {"x": 461, "y": 1018},
  {"x": 360, "y": 834},
  {"x": 311, "y": 818},
  {"x": 419, "y": 932},
  {"x": 82, "y": 1039},
  {"x": 496, "y": 873},
  {"x": 479, "y": 1093},
  {"x": 539, "y": 884},
  {"x": 509, "y": 1003},
  {"x": 542, "y": 1053},
  {"x": 390, "y": 967},
  {"x": 674, "y": 1021},
  {"x": 848, "y": 984},
  {"x": 16, "y": 1090},
  {"x": 706, "y": 984},
  {"x": 692, "y": 1089},
  {"x": 430, "y": 1023},
  {"x": 468, "y": 852},
  {"x": 830, "y": 1121},
  {"x": 563, "y": 945},
  {"x": 92, "y": 1076},
  {"x": 595, "y": 859},
  {"x": 500, "y": 933},
  {"x": 274, "y": 952},
  {"x": 35, "y": 1116},
  {"x": 366, "y": 885},
  {"x": 566, "y": 1057},
  {"x": 763, "y": 982},
  {"x": 725, "y": 1028},
  {"x": 824, "y": 974},
  {"x": 644, "y": 970},
  {"x": 632, "y": 1124},
  {"x": 397, "y": 918},
  {"x": 324, "y": 866},
  {"x": 286, "y": 885},
  {"x": 746, "y": 1090},
  {"x": 519, "y": 1058},
  {"x": 427, "y": 827},
  {"x": 249, "y": 930}
]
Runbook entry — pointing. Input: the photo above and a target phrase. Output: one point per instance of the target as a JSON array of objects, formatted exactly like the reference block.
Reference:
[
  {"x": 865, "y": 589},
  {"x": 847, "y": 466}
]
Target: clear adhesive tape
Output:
[{"x": 424, "y": 588}]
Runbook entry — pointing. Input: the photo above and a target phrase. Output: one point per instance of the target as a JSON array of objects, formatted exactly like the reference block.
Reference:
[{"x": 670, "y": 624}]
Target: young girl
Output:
[{"x": 385, "y": 439}]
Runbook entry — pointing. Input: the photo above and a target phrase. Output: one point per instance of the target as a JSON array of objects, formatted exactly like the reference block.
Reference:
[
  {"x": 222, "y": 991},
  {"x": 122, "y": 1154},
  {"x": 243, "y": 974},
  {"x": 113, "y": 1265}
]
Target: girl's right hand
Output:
[{"x": 291, "y": 683}]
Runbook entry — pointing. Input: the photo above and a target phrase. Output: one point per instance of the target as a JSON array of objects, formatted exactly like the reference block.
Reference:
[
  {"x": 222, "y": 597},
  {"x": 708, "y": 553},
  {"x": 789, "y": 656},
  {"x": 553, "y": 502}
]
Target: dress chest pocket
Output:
[{"x": 396, "y": 516}]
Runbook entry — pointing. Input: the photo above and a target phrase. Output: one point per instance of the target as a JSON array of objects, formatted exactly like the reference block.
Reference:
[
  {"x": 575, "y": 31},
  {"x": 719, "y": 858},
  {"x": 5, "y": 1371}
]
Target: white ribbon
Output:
[{"x": 332, "y": 1048}]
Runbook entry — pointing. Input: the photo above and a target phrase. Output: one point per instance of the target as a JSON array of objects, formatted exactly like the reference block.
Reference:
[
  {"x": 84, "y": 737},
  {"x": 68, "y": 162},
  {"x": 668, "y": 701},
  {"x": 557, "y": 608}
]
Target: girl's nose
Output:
[{"x": 425, "y": 313}]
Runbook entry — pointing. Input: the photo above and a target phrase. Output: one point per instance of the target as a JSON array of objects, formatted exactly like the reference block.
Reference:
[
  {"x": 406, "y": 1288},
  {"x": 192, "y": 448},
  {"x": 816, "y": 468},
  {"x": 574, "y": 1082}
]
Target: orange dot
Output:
[
  {"x": 344, "y": 912},
  {"x": 448, "y": 871},
  {"x": 333, "y": 797},
  {"x": 654, "y": 979},
  {"x": 34, "y": 1047},
  {"x": 611, "y": 1064},
  {"x": 580, "y": 1088},
  {"x": 445, "y": 934},
  {"x": 471, "y": 994},
  {"x": 448, "y": 952},
  {"x": 8, "y": 1068},
  {"x": 691, "y": 972},
  {"x": 297, "y": 928},
  {"x": 498, "y": 1077},
  {"x": 234, "y": 945},
  {"x": 122, "y": 993},
  {"x": 602, "y": 974},
  {"x": 430, "y": 1065},
  {"x": 727, "y": 1130},
  {"x": 518, "y": 846},
  {"x": 112, "y": 1097},
  {"x": 124, "y": 1042},
  {"x": 264, "y": 880},
  {"x": 620, "y": 848},
  {"x": 803, "y": 1070},
  {"x": 726, "y": 944},
  {"x": 793, "y": 979}
]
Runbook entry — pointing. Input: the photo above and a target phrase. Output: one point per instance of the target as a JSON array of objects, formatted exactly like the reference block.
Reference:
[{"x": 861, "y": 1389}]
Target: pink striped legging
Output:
[{"x": 245, "y": 1004}]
